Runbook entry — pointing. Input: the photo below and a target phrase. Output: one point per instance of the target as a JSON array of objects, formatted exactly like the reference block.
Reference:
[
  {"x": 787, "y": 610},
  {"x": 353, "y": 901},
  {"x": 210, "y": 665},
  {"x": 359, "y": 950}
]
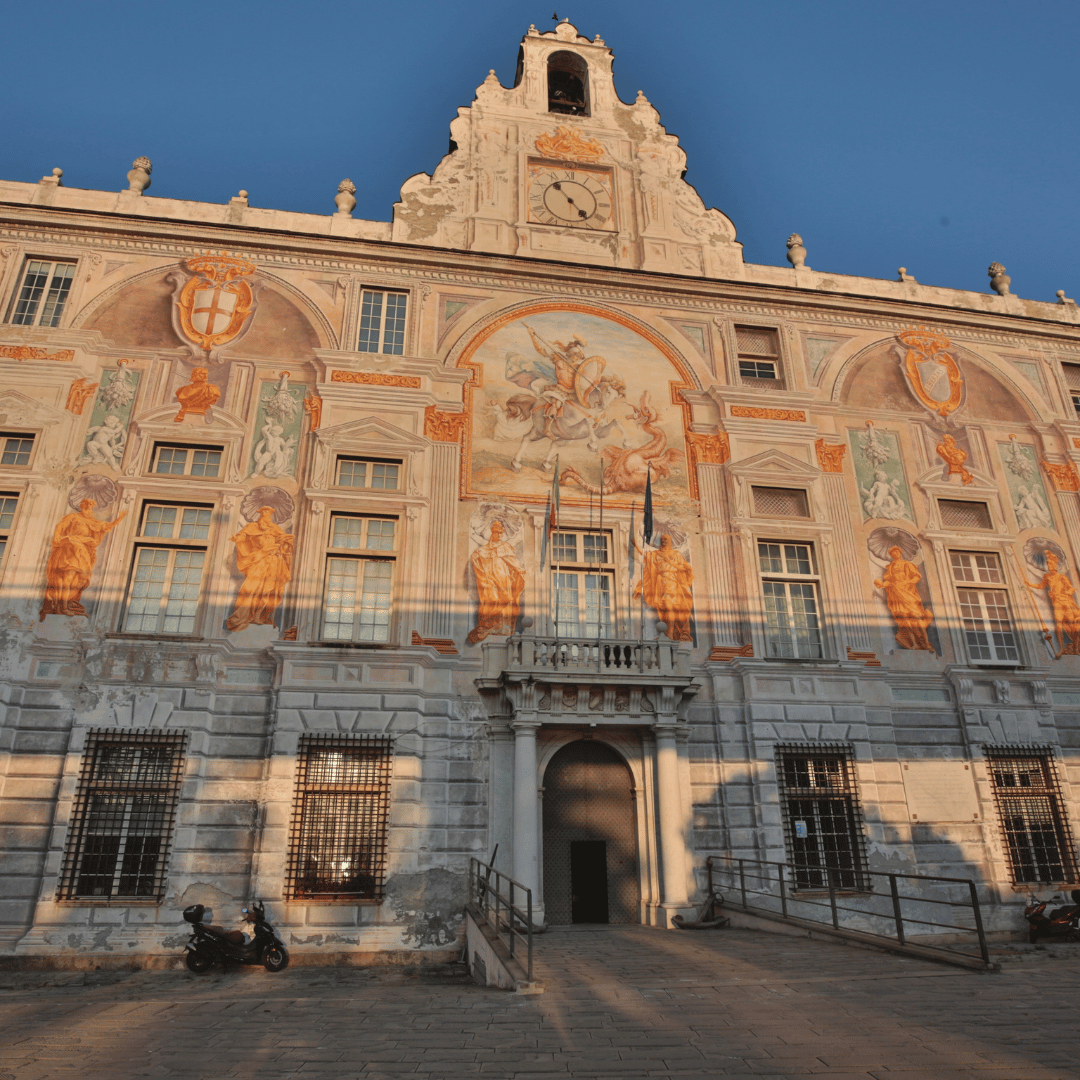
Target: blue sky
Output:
[{"x": 934, "y": 135}]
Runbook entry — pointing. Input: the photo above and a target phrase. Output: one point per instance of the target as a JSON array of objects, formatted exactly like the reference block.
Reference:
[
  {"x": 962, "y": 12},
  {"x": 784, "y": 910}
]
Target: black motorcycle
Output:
[
  {"x": 210, "y": 946},
  {"x": 1062, "y": 923}
]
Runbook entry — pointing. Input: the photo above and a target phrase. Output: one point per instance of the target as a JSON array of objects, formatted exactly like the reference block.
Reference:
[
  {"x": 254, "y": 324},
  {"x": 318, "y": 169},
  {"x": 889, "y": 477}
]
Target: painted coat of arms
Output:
[
  {"x": 579, "y": 388},
  {"x": 931, "y": 373},
  {"x": 215, "y": 302}
]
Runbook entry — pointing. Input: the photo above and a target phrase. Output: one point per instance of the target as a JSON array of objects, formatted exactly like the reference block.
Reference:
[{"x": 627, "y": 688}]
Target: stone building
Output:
[{"x": 327, "y": 566}]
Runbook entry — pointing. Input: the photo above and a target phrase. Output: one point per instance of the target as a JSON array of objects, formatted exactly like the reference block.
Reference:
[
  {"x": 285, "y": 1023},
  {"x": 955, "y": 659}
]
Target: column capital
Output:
[
  {"x": 666, "y": 728},
  {"x": 524, "y": 725}
]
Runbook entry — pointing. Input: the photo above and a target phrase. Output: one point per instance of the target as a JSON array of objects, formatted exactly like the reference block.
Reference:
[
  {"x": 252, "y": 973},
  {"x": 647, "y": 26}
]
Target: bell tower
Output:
[{"x": 558, "y": 167}]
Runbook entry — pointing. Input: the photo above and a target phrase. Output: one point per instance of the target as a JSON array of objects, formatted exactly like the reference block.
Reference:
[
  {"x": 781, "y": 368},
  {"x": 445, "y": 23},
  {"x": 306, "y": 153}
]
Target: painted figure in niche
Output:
[
  {"x": 282, "y": 404},
  {"x": 954, "y": 457},
  {"x": 105, "y": 443},
  {"x": 500, "y": 581},
  {"x": 628, "y": 470},
  {"x": 900, "y": 581},
  {"x": 197, "y": 397},
  {"x": 1063, "y": 600},
  {"x": 120, "y": 390},
  {"x": 880, "y": 499},
  {"x": 313, "y": 407},
  {"x": 667, "y": 585},
  {"x": 76, "y": 539},
  {"x": 273, "y": 453},
  {"x": 264, "y": 554},
  {"x": 1030, "y": 511}
]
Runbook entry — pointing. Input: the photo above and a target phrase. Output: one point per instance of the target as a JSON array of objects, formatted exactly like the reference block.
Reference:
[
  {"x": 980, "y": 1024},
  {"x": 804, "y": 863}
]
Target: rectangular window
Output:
[
  {"x": 987, "y": 621},
  {"x": 9, "y": 503},
  {"x": 964, "y": 514},
  {"x": 122, "y": 822},
  {"x": 758, "y": 348},
  {"x": 42, "y": 293},
  {"x": 1072, "y": 380},
  {"x": 358, "y": 591},
  {"x": 382, "y": 322},
  {"x": 583, "y": 584},
  {"x": 368, "y": 473},
  {"x": 337, "y": 849},
  {"x": 780, "y": 502},
  {"x": 1036, "y": 833},
  {"x": 15, "y": 449},
  {"x": 163, "y": 594},
  {"x": 789, "y": 582},
  {"x": 822, "y": 818},
  {"x": 187, "y": 460}
]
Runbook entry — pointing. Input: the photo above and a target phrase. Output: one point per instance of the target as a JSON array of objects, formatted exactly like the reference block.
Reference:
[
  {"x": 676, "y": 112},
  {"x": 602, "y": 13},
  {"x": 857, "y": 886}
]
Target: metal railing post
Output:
[
  {"x": 979, "y": 923},
  {"x": 832, "y": 899},
  {"x": 512, "y": 914},
  {"x": 708, "y": 870},
  {"x": 528, "y": 903},
  {"x": 498, "y": 900},
  {"x": 783, "y": 890},
  {"x": 742, "y": 882},
  {"x": 896, "y": 909}
]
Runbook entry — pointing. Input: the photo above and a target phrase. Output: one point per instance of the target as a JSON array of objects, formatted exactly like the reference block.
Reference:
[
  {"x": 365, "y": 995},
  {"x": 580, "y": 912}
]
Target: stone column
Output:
[
  {"x": 669, "y": 809},
  {"x": 526, "y": 818}
]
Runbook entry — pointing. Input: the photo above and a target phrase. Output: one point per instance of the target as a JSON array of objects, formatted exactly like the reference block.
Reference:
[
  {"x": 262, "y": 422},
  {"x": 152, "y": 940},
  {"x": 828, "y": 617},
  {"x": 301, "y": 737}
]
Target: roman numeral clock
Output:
[{"x": 573, "y": 196}]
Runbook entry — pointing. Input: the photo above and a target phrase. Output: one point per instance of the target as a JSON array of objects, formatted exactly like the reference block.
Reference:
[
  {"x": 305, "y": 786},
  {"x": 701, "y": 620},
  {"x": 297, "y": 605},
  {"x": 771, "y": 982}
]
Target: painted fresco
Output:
[
  {"x": 1026, "y": 491},
  {"x": 883, "y": 491},
  {"x": 107, "y": 434},
  {"x": 574, "y": 387},
  {"x": 277, "y": 428}
]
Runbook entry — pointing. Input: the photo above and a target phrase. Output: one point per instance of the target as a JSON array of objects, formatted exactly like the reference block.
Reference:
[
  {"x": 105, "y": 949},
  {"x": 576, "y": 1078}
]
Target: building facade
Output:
[{"x": 327, "y": 566}]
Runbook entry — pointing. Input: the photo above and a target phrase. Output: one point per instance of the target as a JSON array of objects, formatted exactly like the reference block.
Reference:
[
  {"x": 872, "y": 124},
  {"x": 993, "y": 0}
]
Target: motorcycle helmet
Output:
[{"x": 194, "y": 914}]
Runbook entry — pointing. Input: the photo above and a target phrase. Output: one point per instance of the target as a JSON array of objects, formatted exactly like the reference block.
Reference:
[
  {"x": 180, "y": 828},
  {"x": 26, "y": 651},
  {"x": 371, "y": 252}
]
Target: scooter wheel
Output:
[
  {"x": 1073, "y": 936},
  {"x": 275, "y": 958},
  {"x": 198, "y": 962}
]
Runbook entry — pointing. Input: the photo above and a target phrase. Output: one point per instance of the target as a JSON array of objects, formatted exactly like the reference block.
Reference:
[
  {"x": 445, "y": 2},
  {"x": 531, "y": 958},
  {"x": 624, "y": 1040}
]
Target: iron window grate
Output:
[
  {"x": 823, "y": 819},
  {"x": 341, "y": 813},
  {"x": 964, "y": 514},
  {"x": 122, "y": 822},
  {"x": 1036, "y": 833},
  {"x": 780, "y": 502}
]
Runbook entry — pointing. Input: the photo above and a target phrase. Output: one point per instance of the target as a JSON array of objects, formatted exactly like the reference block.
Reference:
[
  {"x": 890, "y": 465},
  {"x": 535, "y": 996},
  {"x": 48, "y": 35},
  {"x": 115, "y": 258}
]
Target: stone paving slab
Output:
[{"x": 622, "y": 1003}]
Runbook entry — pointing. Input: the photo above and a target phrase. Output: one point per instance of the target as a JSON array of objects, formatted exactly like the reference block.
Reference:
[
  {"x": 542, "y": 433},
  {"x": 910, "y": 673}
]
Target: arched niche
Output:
[{"x": 568, "y": 84}]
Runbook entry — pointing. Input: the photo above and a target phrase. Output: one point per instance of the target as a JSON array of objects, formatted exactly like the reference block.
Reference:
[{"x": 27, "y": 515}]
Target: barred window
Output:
[
  {"x": 382, "y": 322},
  {"x": 823, "y": 823},
  {"x": 341, "y": 812},
  {"x": 780, "y": 502},
  {"x": 758, "y": 349},
  {"x": 988, "y": 630},
  {"x": 964, "y": 514},
  {"x": 42, "y": 293},
  {"x": 375, "y": 473},
  {"x": 1036, "y": 832},
  {"x": 789, "y": 585},
  {"x": 174, "y": 460},
  {"x": 122, "y": 823},
  {"x": 1072, "y": 380}
]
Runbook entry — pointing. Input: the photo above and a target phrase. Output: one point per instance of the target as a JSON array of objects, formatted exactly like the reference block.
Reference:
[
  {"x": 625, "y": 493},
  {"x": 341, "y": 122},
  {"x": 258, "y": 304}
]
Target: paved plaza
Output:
[{"x": 620, "y": 1002}]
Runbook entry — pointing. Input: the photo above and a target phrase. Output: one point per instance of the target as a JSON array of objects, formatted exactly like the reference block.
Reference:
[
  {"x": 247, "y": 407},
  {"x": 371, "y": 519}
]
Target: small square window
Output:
[
  {"x": 964, "y": 514},
  {"x": 42, "y": 293},
  {"x": 187, "y": 460},
  {"x": 1072, "y": 381},
  {"x": 758, "y": 349},
  {"x": 176, "y": 522},
  {"x": 15, "y": 449},
  {"x": 780, "y": 502},
  {"x": 370, "y": 473},
  {"x": 382, "y": 322}
]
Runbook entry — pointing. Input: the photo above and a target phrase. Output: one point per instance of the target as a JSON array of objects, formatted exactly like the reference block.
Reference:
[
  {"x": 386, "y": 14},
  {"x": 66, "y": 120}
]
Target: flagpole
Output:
[{"x": 600, "y": 576}]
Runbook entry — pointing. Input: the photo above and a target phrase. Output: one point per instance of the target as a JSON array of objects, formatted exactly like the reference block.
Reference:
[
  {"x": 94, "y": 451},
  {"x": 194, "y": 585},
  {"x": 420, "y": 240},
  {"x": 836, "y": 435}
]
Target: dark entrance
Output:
[
  {"x": 588, "y": 881},
  {"x": 590, "y": 844}
]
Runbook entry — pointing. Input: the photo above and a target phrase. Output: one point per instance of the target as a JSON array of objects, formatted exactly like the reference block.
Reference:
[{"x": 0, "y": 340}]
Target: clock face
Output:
[{"x": 573, "y": 197}]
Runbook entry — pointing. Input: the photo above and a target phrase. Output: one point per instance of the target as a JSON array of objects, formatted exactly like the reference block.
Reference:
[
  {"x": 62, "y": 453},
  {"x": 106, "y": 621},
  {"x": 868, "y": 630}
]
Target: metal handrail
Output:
[
  {"x": 773, "y": 882},
  {"x": 500, "y": 910}
]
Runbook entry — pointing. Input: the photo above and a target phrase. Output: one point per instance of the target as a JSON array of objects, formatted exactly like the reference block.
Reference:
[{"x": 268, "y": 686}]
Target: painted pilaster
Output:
[
  {"x": 439, "y": 615},
  {"x": 526, "y": 816},
  {"x": 720, "y": 558},
  {"x": 856, "y": 629}
]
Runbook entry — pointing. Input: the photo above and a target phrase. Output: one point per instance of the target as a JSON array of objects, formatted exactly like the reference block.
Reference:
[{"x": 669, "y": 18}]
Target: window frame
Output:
[
  {"x": 141, "y": 542},
  {"x": 383, "y": 291},
  {"x": 159, "y": 445},
  {"x": 368, "y": 460},
  {"x": 7, "y": 531},
  {"x": 975, "y": 586},
  {"x": 167, "y": 791},
  {"x": 805, "y": 516},
  {"x": 1070, "y": 374},
  {"x": 20, "y": 286},
  {"x": 32, "y": 436},
  {"x": 983, "y": 503},
  {"x": 778, "y": 361},
  {"x": 363, "y": 555},
  {"x": 787, "y": 578},
  {"x": 582, "y": 568},
  {"x": 309, "y": 790},
  {"x": 854, "y": 877},
  {"x": 1009, "y": 805}
]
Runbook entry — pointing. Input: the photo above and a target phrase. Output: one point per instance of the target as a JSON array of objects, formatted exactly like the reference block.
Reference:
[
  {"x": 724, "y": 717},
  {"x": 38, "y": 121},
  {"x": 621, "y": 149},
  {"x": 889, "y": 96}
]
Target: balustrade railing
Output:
[{"x": 608, "y": 655}]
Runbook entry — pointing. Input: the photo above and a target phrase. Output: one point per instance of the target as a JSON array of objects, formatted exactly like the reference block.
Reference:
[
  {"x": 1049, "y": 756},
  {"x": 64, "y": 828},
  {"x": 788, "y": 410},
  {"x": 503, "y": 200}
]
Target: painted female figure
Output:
[
  {"x": 900, "y": 582},
  {"x": 71, "y": 561},
  {"x": 1063, "y": 600},
  {"x": 500, "y": 580},
  {"x": 667, "y": 584},
  {"x": 264, "y": 553}
]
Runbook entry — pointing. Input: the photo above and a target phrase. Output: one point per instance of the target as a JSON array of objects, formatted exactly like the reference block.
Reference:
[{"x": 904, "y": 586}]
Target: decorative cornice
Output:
[
  {"x": 757, "y": 413},
  {"x": 830, "y": 458},
  {"x": 30, "y": 352},
  {"x": 375, "y": 378}
]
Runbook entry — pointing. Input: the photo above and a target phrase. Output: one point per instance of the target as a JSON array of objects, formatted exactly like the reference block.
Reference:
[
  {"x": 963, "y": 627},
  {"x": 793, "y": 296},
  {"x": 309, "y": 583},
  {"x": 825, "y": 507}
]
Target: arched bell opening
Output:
[{"x": 568, "y": 84}]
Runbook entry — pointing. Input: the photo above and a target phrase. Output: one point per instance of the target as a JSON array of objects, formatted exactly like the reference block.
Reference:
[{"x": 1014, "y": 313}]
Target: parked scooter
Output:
[
  {"x": 213, "y": 945},
  {"x": 1062, "y": 922}
]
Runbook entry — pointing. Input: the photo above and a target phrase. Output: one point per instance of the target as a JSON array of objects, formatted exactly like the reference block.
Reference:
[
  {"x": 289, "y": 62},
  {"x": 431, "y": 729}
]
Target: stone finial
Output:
[
  {"x": 903, "y": 275},
  {"x": 796, "y": 253},
  {"x": 999, "y": 280},
  {"x": 54, "y": 179},
  {"x": 345, "y": 199},
  {"x": 239, "y": 199},
  {"x": 139, "y": 176},
  {"x": 1063, "y": 299}
]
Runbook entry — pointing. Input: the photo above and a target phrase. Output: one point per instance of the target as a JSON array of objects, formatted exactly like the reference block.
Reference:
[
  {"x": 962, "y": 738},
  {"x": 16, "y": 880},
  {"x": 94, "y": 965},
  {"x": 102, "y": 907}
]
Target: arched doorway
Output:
[{"x": 590, "y": 846}]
